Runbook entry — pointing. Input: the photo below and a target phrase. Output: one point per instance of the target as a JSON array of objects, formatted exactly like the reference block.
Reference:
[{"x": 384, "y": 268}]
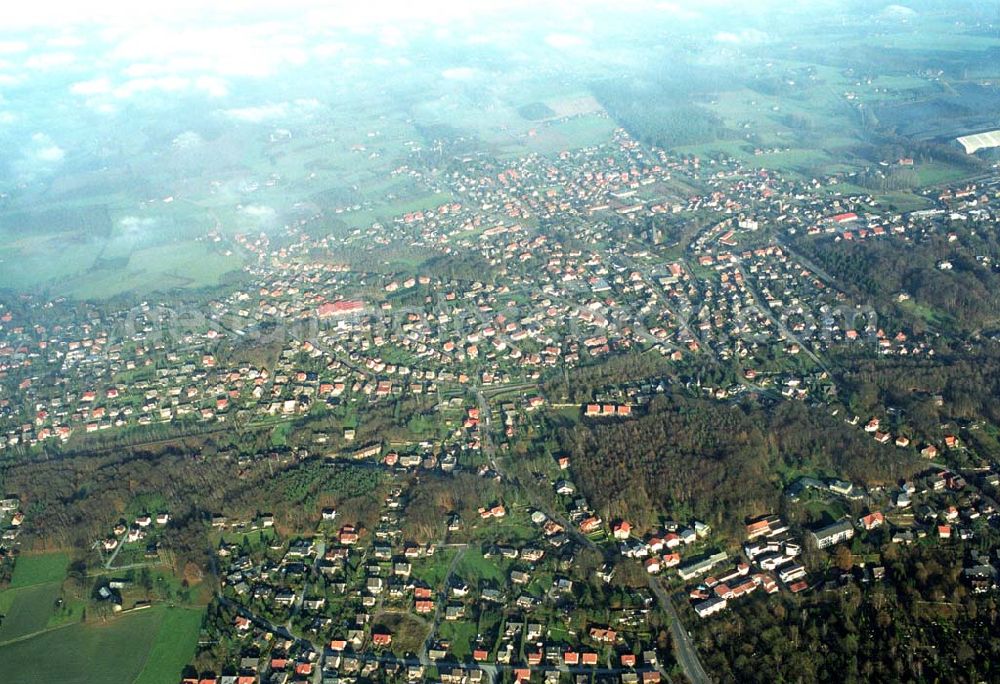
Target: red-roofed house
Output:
[
  {"x": 339, "y": 308},
  {"x": 622, "y": 530},
  {"x": 873, "y": 520}
]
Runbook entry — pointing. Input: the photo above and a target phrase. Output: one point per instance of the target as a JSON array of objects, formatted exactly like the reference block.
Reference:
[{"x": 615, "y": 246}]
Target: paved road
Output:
[
  {"x": 489, "y": 450},
  {"x": 663, "y": 300},
  {"x": 684, "y": 650},
  {"x": 766, "y": 310},
  {"x": 442, "y": 602},
  {"x": 114, "y": 554},
  {"x": 491, "y": 669}
]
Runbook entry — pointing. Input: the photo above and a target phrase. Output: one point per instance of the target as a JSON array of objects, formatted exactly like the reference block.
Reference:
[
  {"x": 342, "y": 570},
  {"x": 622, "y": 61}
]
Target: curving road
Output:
[
  {"x": 687, "y": 655},
  {"x": 684, "y": 650}
]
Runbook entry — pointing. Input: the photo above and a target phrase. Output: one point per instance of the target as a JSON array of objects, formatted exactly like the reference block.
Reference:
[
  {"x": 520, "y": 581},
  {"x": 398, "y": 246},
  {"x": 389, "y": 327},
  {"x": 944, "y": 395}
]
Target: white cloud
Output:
[
  {"x": 95, "y": 86},
  {"x": 44, "y": 149},
  {"x": 564, "y": 41},
  {"x": 258, "y": 211},
  {"x": 66, "y": 41},
  {"x": 459, "y": 73},
  {"x": 392, "y": 36},
  {"x": 678, "y": 10},
  {"x": 327, "y": 50},
  {"x": 898, "y": 12},
  {"x": 254, "y": 50},
  {"x": 8, "y": 47},
  {"x": 166, "y": 84},
  {"x": 102, "y": 107},
  {"x": 145, "y": 70},
  {"x": 52, "y": 153},
  {"x": 272, "y": 111},
  {"x": 176, "y": 75},
  {"x": 50, "y": 60},
  {"x": 187, "y": 140},
  {"x": 744, "y": 37},
  {"x": 135, "y": 224},
  {"x": 259, "y": 113},
  {"x": 212, "y": 85}
]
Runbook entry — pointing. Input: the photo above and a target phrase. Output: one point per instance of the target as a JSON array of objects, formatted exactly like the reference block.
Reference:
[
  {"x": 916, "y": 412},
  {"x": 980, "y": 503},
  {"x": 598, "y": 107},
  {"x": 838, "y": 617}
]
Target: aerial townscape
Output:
[{"x": 501, "y": 344}]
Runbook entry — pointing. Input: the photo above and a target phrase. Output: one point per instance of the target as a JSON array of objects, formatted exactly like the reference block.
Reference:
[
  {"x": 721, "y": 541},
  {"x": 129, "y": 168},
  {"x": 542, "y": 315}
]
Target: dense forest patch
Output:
[
  {"x": 659, "y": 115},
  {"x": 718, "y": 462}
]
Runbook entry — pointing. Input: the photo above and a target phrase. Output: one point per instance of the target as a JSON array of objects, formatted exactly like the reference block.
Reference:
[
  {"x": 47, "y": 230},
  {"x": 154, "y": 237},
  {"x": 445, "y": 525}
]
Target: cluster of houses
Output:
[
  {"x": 771, "y": 555},
  {"x": 11, "y": 519},
  {"x": 547, "y": 304},
  {"x": 881, "y": 434},
  {"x": 144, "y": 366},
  {"x": 660, "y": 550},
  {"x": 945, "y": 505},
  {"x": 125, "y": 532},
  {"x": 607, "y": 410},
  {"x": 579, "y": 290},
  {"x": 337, "y": 587}
]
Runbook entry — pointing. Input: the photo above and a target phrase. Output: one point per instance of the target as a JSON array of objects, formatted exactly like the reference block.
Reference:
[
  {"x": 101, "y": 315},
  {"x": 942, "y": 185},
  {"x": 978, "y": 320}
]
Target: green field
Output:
[
  {"x": 580, "y": 131},
  {"x": 904, "y": 201},
  {"x": 174, "y": 646},
  {"x": 929, "y": 314},
  {"x": 44, "y": 638},
  {"x": 256, "y": 538},
  {"x": 461, "y": 634},
  {"x": 179, "y": 265},
  {"x": 433, "y": 571},
  {"x": 28, "y": 610},
  {"x": 475, "y": 568},
  {"x": 34, "y": 600},
  {"x": 279, "y": 435},
  {"x": 146, "y": 647},
  {"x": 82, "y": 271},
  {"x": 824, "y": 511},
  {"x": 39, "y": 569}
]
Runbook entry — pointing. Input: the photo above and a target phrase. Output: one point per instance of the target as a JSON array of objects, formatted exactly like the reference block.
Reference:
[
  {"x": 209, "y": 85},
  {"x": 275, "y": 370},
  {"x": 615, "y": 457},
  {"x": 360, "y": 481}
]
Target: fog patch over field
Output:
[{"x": 211, "y": 113}]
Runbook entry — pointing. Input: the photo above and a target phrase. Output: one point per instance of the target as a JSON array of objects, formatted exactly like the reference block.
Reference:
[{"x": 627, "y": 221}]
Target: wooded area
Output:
[{"x": 718, "y": 462}]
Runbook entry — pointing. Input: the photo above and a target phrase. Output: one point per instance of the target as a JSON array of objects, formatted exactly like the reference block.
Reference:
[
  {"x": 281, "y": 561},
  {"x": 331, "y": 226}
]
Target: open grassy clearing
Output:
[
  {"x": 82, "y": 266},
  {"x": 185, "y": 264},
  {"x": 28, "y": 611},
  {"x": 461, "y": 634},
  {"x": 476, "y": 569},
  {"x": 174, "y": 646},
  {"x": 39, "y": 569},
  {"x": 29, "y": 264},
  {"x": 433, "y": 571},
  {"x": 904, "y": 201},
  {"x": 408, "y": 632},
  {"x": 387, "y": 210},
  {"x": 554, "y": 137},
  {"x": 148, "y": 646}
]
